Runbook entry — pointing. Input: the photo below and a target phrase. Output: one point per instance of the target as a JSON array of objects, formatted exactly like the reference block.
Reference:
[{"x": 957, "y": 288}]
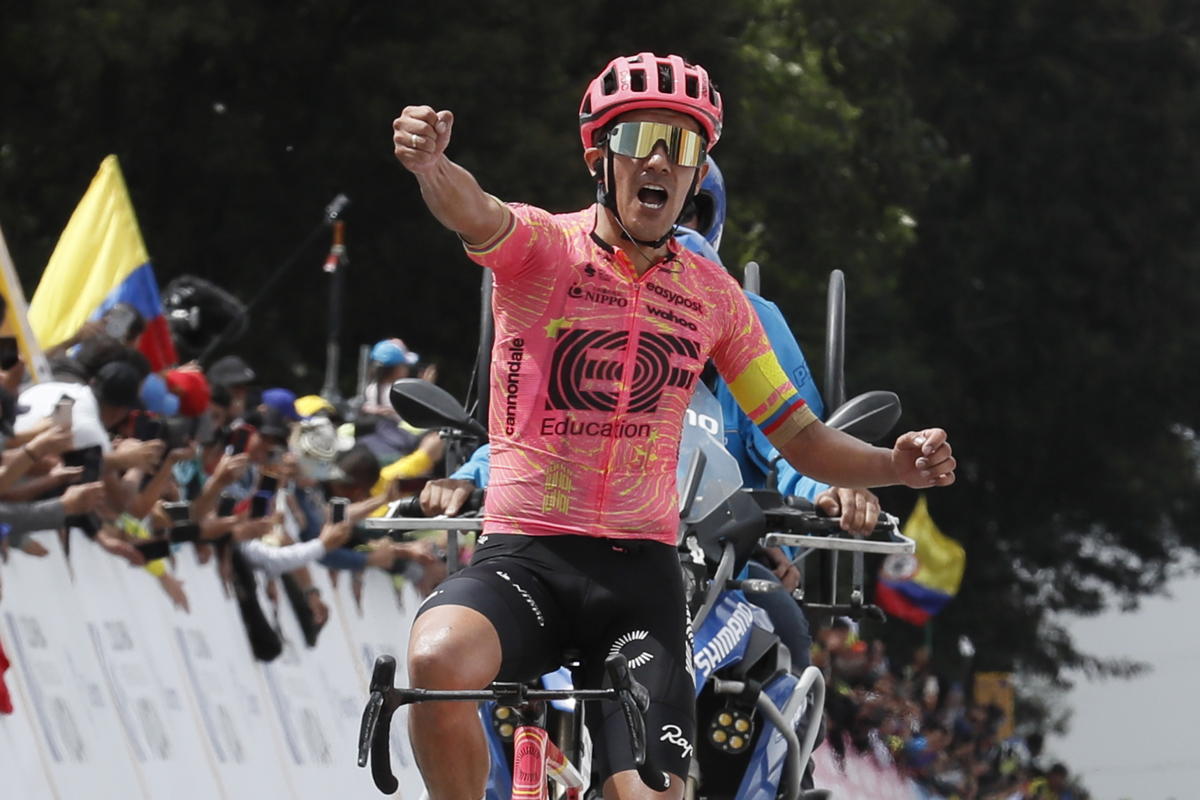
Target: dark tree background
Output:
[{"x": 1008, "y": 185}]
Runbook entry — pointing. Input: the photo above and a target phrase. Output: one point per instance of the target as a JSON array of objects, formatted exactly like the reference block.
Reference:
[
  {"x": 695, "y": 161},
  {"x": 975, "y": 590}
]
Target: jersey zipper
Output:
[{"x": 626, "y": 379}]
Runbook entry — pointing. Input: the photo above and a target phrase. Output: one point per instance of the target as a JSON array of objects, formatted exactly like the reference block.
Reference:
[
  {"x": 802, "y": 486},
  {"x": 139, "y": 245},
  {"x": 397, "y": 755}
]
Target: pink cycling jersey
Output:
[{"x": 593, "y": 368}]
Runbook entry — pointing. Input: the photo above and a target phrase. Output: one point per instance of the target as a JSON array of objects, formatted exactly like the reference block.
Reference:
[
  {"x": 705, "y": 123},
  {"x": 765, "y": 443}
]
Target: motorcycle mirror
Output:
[
  {"x": 868, "y": 416},
  {"x": 424, "y": 405}
]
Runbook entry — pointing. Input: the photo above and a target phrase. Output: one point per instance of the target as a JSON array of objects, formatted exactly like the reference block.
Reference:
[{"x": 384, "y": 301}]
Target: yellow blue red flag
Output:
[
  {"x": 917, "y": 586},
  {"x": 101, "y": 260}
]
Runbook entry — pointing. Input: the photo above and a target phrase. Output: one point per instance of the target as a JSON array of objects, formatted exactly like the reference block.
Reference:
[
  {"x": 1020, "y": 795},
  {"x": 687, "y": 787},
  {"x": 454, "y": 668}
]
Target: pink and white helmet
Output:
[{"x": 630, "y": 83}]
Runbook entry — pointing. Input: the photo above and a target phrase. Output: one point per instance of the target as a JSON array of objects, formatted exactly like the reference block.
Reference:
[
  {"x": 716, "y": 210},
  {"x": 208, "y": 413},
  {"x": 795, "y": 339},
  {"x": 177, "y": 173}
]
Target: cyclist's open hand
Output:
[
  {"x": 922, "y": 459},
  {"x": 445, "y": 496},
  {"x": 420, "y": 136}
]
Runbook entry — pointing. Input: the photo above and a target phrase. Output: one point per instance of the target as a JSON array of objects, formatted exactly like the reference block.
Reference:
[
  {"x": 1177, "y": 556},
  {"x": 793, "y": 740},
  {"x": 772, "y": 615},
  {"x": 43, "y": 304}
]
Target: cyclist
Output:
[
  {"x": 700, "y": 231},
  {"x": 603, "y": 325}
]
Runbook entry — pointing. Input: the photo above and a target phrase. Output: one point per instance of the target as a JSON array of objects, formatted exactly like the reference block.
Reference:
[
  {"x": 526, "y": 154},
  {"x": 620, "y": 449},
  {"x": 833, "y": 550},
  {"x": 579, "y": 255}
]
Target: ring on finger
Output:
[{"x": 414, "y": 141}]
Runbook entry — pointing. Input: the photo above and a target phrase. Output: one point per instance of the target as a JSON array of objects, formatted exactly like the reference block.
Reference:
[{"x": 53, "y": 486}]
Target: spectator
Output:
[
  {"x": 391, "y": 360},
  {"x": 192, "y": 390},
  {"x": 1052, "y": 786},
  {"x": 353, "y": 477},
  {"x": 120, "y": 322},
  {"x": 283, "y": 401},
  {"x": 235, "y": 375}
]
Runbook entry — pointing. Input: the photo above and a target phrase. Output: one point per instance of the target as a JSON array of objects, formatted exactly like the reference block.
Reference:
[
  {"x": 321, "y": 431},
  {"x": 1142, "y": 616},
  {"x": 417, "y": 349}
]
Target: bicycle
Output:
[{"x": 536, "y": 757}]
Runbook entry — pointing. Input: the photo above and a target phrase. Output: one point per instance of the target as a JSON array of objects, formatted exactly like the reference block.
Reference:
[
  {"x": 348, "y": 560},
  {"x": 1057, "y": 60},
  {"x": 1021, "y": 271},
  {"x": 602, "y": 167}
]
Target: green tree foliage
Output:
[
  {"x": 1050, "y": 296},
  {"x": 1008, "y": 186}
]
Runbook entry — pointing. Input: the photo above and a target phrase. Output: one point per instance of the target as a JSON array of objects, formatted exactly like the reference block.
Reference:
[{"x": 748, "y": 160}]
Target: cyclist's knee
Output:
[{"x": 453, "y": 647}]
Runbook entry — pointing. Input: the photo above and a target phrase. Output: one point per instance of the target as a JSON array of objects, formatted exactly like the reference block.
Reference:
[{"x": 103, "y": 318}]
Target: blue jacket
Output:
[
  {"x": 743, "y": 439},
  {"x": 477, "y": 468}
]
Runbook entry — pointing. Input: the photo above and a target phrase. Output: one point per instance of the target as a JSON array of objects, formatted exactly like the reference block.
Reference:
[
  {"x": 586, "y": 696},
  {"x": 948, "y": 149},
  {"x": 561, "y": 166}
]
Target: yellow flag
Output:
[
  {"x": 100, "y": 247},
  {"x": 942, "y": 560},
  {"x": 16, "y": 320}
]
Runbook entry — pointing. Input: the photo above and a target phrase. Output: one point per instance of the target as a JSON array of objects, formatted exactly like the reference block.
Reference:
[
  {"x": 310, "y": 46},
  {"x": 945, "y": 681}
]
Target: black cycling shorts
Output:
[{"x": 545, "y": 595}]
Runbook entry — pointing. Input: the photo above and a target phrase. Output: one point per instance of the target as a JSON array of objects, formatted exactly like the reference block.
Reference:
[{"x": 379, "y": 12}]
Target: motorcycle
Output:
[{"x": 757, "y": 722}]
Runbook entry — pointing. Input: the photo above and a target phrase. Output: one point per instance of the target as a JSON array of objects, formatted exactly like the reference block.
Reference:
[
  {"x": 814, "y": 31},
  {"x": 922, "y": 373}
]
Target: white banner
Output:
[
  {"x": 224, "y": 684},
  {"x": 317, "y": 701},
  {"x": 142, "y": 674},
  {"x": 74, "y": 722},
  {"x": 21, "y": 767},
  {"x": 380, "y": 625}
]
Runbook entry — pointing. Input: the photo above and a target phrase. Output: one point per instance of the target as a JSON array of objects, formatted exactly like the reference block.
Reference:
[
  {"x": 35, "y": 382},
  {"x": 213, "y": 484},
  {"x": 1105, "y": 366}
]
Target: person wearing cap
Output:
[
  {"x": 266, "y": 447},
  {"x": 192, "y": 389},
  {"x": 391, "y": 360},
  {"x": 157, "y": 398},
  {"x": 313, "y": 404},
  {"x": 236, "y": 375},
  {"x": 283, "y": 401}
]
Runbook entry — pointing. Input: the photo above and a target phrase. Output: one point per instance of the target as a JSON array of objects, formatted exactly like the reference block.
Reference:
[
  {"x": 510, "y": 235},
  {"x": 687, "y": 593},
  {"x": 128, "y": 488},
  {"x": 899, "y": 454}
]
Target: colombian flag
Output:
[
  {"x": 915, "y": 587},
  {"x": 100, "y": 261}
]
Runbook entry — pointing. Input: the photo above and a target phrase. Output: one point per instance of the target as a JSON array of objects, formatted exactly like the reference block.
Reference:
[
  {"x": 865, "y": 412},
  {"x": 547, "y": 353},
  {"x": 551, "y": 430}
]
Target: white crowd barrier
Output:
[
  {"x": 859, "y": 777},
  {"x": 117, "y": 694}
]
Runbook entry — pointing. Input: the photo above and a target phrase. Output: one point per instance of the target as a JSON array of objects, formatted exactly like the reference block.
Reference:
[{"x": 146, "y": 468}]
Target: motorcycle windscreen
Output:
[{"x": 704, "y": 430}]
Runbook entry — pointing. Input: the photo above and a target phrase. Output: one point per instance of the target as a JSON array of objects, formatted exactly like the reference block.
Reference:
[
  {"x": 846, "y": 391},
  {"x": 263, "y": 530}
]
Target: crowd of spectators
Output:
[
  {"x": 907, "y": 717},
  {"x": 146, "y": 463}
]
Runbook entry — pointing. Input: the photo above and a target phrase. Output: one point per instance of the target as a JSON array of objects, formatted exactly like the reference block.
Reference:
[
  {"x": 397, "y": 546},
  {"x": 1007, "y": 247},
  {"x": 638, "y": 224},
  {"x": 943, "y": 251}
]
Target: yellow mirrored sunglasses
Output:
[{"x": 638, "y": 140}]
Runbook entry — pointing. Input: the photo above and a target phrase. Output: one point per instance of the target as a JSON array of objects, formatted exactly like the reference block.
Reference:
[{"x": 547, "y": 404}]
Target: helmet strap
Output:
[{"x": 606, "y": 196}]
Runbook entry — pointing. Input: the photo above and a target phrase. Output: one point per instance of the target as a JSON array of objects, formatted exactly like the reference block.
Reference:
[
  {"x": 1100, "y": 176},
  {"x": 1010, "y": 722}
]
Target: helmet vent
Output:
[
  {"x": 666, "y": 80},
  {"x": 637, "y": 80},
  {"x": 691, "y": 86},
  {"x": 610, "y": 82}
]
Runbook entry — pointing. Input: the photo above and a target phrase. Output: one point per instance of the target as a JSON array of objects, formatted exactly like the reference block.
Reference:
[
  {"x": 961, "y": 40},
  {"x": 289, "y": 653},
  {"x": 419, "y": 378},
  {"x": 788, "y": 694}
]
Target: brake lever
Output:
[
  {"x": 376, "y": 726},
  {"x": 635, "y": 702},
  {"x": 366, "y": 731}
]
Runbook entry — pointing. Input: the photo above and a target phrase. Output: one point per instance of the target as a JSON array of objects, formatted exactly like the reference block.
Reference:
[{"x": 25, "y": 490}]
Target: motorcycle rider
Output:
[{"x": 603, "y": 325}]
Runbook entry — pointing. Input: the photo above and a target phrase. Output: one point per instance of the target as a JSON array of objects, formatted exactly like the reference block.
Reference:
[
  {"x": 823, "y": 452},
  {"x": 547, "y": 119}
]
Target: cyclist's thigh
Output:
[
  {"x": 650, "y": 628},
  {"x": 504, "y": 587}
]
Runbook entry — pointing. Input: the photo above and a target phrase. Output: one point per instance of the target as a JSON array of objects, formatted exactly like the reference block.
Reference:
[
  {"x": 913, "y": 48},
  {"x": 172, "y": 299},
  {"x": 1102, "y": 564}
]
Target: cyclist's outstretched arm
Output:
[
  {"x": 420, "y": 136},
  {"x": 919, "y": 459}
]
